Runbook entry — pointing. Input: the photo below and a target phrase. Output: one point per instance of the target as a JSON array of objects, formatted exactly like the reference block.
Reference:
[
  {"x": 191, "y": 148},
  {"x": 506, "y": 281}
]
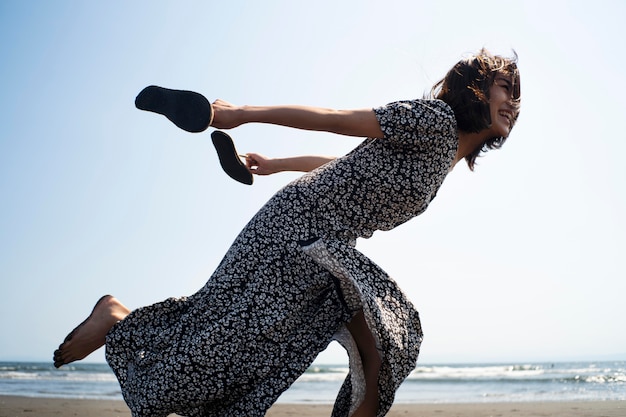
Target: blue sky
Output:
[{"x": 521, "y": 260}]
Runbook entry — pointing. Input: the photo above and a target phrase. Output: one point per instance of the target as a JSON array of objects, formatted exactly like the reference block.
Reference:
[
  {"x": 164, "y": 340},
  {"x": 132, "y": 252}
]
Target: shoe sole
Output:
[
  {"x": 188, "y": 110},
  {"x": 229, "y": 158}
]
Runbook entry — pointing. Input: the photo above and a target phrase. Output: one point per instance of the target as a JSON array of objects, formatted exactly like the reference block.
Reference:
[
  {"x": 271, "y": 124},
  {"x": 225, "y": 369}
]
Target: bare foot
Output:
[{"x": 90, "y": 334}]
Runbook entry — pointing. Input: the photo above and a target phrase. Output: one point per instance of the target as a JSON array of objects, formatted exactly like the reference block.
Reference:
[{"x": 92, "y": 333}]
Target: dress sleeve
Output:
[{"x": 416, "y": 122}]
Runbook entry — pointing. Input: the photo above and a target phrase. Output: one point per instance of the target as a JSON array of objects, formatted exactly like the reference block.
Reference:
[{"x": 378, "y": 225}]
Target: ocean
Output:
[{"x": 436, "y": 383}]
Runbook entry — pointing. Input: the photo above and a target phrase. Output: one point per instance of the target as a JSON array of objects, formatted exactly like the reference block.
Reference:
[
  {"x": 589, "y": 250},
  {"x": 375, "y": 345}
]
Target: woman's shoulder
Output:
[
  {"x": 424, "y": 106},
  {"x": 430, "y": 105},
  {"x": 437, "y": 105},
  {"x": 417, "y": 114},
  {"x": 440, "y": 110}
]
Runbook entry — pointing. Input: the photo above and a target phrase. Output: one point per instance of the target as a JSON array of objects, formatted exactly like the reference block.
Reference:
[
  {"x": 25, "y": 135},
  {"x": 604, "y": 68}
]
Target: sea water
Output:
[{"x": 436, "y": 383}]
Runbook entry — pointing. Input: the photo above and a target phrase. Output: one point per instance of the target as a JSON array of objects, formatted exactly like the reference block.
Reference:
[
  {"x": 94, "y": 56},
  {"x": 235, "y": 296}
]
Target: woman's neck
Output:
[{"x": 468, "y": 143}]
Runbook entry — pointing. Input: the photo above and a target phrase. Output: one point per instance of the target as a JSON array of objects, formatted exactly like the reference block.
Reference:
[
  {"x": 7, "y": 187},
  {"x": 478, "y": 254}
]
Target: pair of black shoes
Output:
[{"x": 192, "y": 112}]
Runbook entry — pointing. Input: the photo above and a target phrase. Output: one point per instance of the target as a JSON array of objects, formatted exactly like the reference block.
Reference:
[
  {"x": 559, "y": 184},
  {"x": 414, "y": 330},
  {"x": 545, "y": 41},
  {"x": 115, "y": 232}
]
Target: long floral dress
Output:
[{"x": 290, "y": 282}]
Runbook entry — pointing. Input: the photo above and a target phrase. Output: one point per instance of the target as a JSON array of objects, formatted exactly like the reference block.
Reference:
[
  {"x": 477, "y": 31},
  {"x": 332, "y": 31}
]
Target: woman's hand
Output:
[
  {"x": 261, "y": 165},
  {"x": 225, "y": 115}
]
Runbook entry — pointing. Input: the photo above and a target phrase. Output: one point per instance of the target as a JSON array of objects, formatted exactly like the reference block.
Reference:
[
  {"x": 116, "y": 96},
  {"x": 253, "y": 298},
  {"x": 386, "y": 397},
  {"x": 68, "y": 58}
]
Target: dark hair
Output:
[{"x": 465, "y": 88}]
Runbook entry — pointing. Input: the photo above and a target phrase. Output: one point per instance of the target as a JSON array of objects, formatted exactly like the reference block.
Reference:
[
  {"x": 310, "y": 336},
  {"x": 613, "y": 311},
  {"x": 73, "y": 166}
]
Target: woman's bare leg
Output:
[
  {"x": 371, "y": 360},
  {"x": 90, "y": 334}
]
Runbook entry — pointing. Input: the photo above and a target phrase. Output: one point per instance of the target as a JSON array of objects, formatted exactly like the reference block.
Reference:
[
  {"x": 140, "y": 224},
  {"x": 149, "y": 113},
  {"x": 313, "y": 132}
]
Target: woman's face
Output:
[{"x": 503, "y": 111}]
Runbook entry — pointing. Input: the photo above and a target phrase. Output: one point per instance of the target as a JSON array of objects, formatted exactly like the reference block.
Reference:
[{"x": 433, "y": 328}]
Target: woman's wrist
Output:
[{"x": 280, "y": 165}]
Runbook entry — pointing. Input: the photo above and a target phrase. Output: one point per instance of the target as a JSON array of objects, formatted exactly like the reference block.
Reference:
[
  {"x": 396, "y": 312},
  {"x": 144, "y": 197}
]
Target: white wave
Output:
[
  {"x": 476, "y": 372},
  {"x": 58, "y": 376}
]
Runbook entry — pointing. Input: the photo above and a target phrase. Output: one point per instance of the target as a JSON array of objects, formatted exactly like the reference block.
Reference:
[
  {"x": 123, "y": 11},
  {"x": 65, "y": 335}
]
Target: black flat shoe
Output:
[
  {"x": 188, "y": 110},
  {"x": 229, "y": 158}
]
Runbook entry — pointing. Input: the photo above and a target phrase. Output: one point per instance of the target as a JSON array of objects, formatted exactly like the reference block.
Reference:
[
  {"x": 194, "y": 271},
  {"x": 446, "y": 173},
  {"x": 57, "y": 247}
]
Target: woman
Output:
[{"x": 292, "y": 280}]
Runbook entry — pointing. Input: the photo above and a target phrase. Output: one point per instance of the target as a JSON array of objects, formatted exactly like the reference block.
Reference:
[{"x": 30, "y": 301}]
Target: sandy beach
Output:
[{"x": 26, "y": 406}]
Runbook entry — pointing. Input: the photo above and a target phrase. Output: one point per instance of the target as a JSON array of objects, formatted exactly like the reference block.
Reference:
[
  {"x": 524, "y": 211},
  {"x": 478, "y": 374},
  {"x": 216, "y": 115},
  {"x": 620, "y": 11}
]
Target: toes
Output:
[
  {"x": 58, "y": 358},
  {"x": 62, "y": 356}
]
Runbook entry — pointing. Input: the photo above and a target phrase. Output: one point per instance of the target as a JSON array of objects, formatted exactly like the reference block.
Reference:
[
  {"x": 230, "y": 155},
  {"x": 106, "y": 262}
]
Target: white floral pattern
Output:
[{"x": 290, "y": 281}]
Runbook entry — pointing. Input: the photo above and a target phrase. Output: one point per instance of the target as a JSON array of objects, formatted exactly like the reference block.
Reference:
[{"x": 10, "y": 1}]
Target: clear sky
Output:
[{"x": 521, "y": 260}]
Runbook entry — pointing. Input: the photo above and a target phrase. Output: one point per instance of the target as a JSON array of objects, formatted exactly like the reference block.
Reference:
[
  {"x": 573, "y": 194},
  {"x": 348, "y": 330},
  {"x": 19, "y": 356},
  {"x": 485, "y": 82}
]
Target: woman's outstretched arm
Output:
[
  {"x": 261, "y": 165},
  {"x": 361, "y": 123}
]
